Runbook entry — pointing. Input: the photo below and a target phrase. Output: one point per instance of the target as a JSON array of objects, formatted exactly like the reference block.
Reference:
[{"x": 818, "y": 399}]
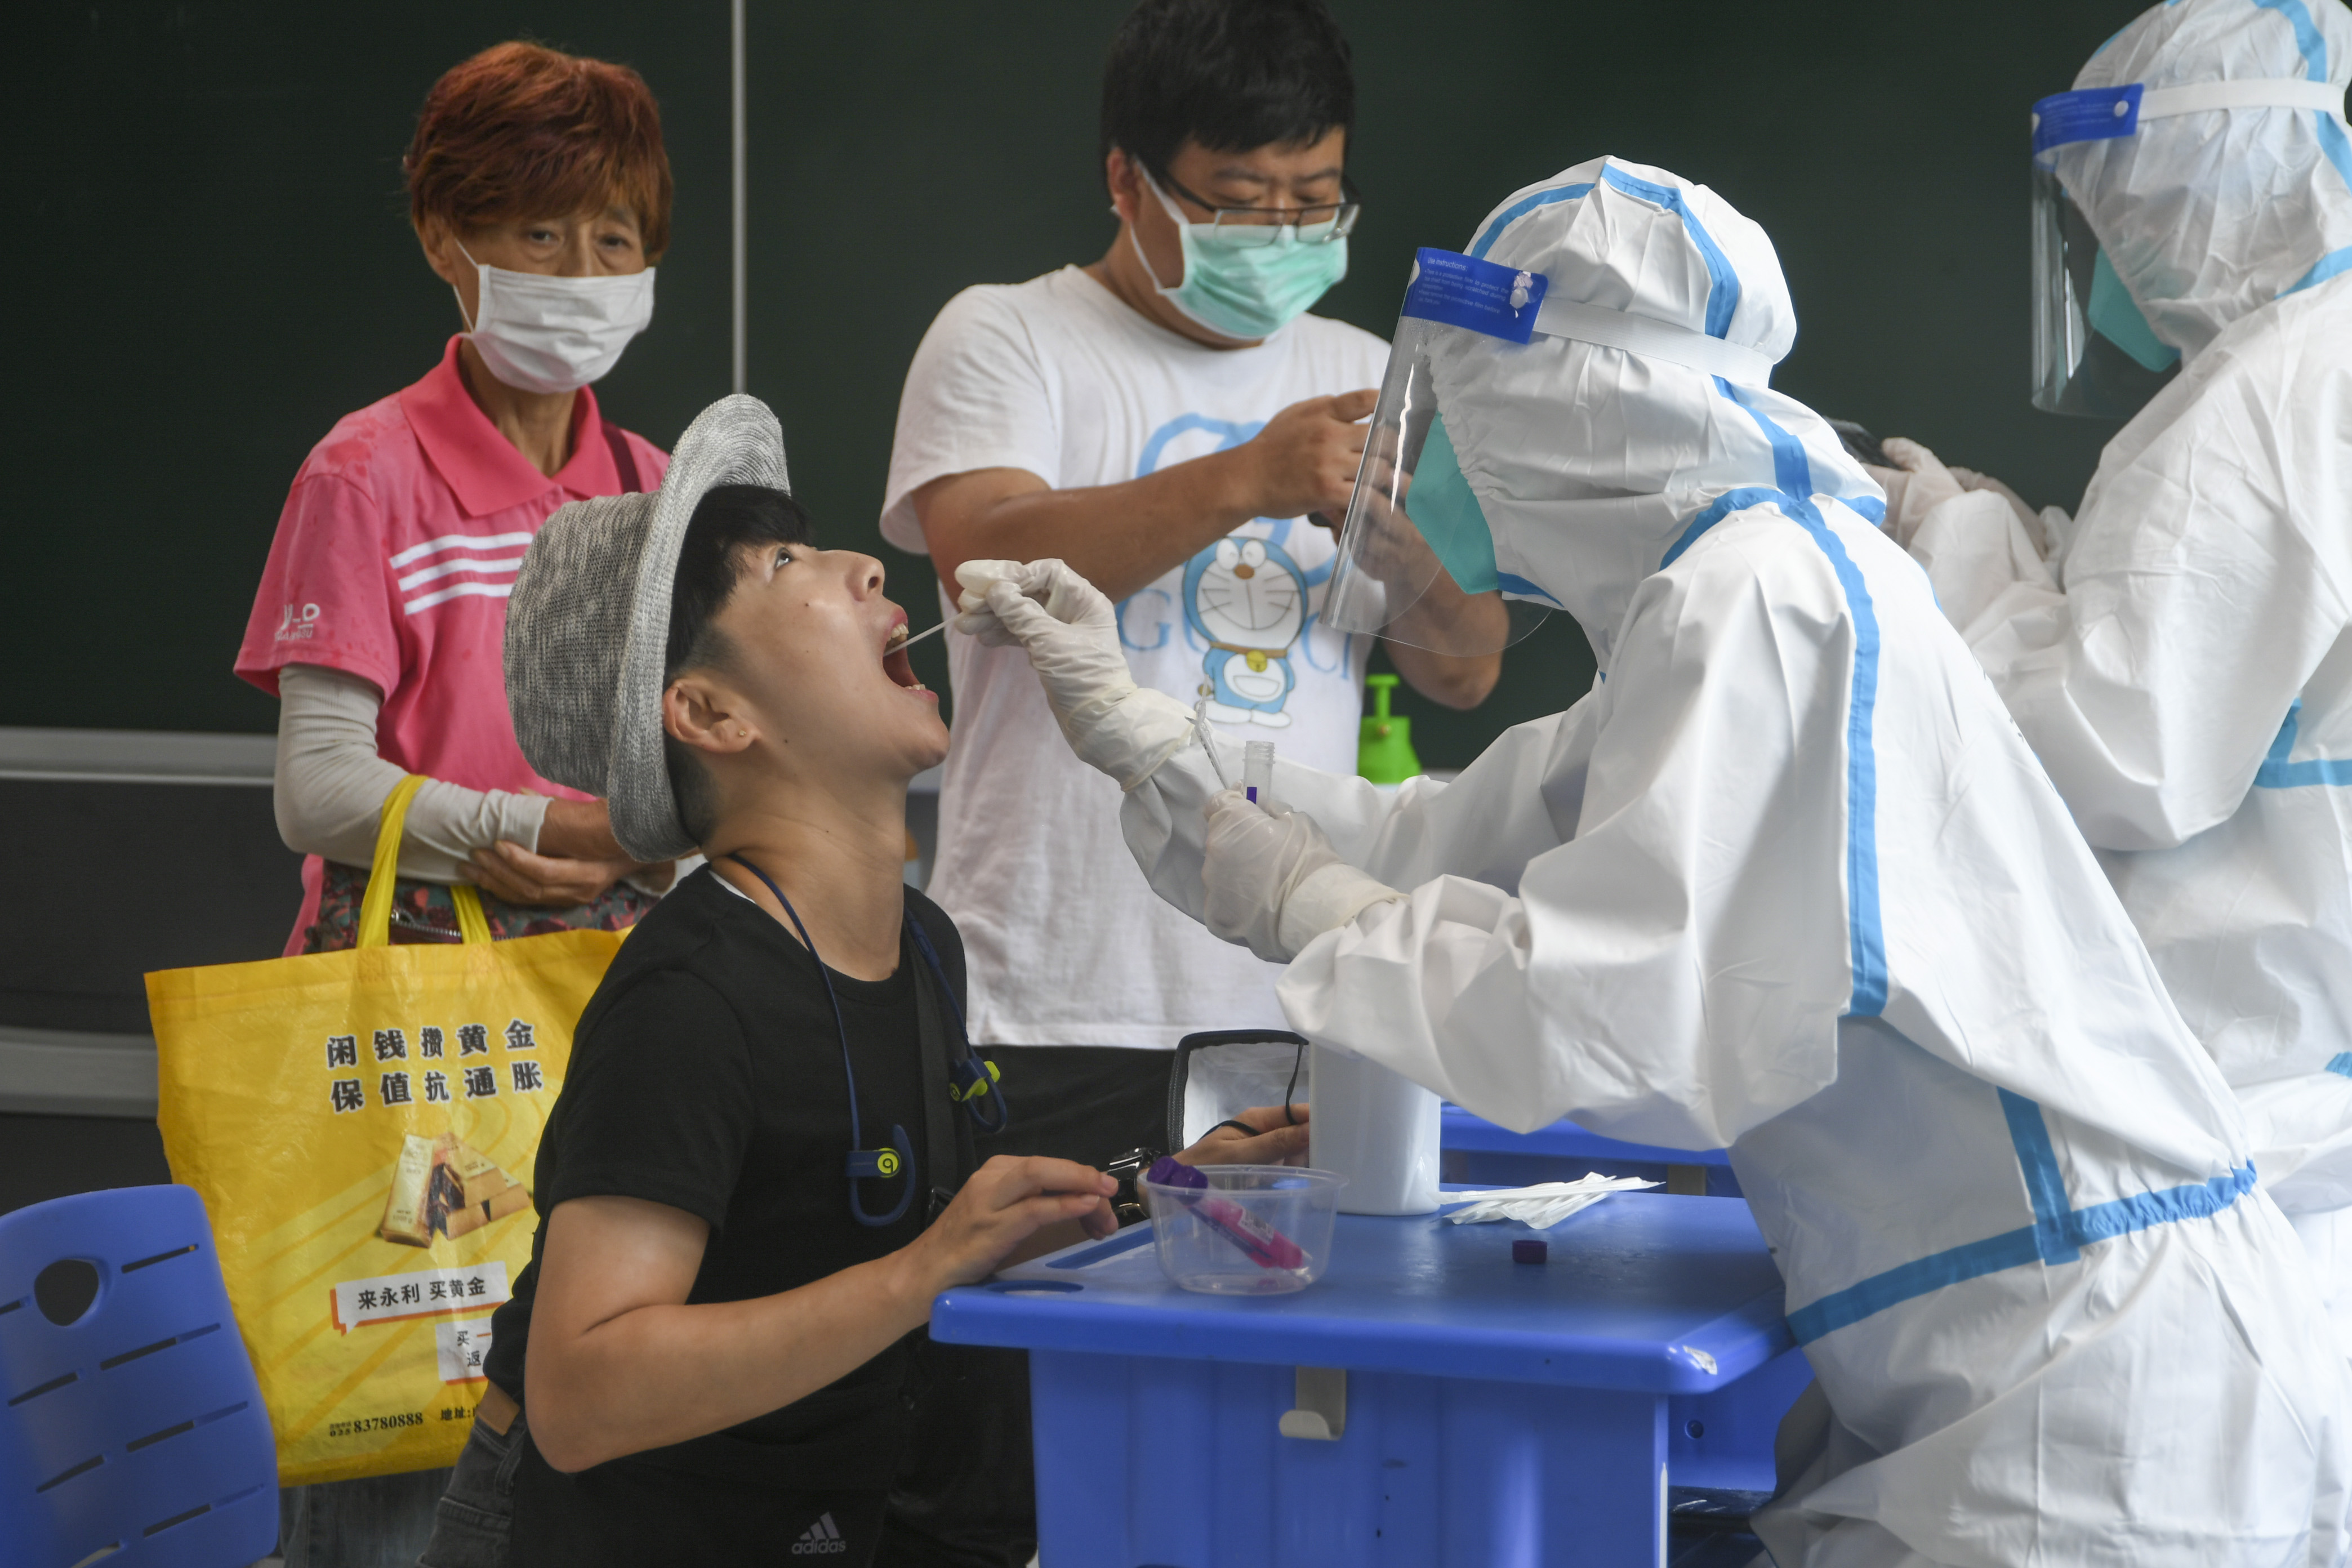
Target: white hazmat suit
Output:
[
  {"x": 2181, "y": 664},
  {"x": 1787, "y": 880}
]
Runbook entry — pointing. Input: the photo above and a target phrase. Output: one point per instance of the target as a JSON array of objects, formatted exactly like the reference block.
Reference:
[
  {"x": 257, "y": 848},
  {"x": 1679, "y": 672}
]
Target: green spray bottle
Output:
[{"x": 1384, "y": 745}]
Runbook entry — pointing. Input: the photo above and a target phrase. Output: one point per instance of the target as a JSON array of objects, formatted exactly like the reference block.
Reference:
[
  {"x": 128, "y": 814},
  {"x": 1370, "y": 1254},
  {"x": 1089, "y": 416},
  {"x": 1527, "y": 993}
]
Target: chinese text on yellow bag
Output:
[{"x": 362, "y": 1125}]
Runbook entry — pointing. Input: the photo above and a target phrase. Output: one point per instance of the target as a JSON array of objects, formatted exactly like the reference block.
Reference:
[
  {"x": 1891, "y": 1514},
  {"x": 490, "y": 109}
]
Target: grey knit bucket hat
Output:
[{"x": 588, "y": 625}]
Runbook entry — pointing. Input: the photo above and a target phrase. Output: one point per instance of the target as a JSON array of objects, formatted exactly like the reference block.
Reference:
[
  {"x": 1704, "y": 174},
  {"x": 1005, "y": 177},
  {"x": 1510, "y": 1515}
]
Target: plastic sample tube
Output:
[
  {"x": 1257, "y": 770},
  {"x": 1260, "y": 1242}
]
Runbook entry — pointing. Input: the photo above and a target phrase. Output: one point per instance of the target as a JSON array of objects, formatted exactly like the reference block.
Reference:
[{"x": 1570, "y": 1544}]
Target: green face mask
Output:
[
  {"x": 1245, "y": 292},
  {"x": 1446, "y": 511},
  {"x": 2114, "y": 316}
]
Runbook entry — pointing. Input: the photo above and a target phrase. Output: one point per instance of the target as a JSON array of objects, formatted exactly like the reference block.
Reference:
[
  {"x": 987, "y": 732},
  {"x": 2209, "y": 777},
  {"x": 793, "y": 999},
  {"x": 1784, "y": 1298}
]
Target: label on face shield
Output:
[
  {"x": 2095, "y": 114},
  {"x": 1484, "y": 296}
]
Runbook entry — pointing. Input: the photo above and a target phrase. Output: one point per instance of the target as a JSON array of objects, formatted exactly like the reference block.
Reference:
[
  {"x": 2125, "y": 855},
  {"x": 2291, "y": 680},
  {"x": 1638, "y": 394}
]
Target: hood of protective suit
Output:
[
  {"x": 2208, "y": 216},
  {"x": 1593, "y": 465}
]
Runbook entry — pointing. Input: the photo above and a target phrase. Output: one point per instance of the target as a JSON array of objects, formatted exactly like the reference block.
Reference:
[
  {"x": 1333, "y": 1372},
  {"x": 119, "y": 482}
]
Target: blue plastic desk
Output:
[
  {"x": 1496, "y": 1413},
  {"x": 1475, "y": 1151}
]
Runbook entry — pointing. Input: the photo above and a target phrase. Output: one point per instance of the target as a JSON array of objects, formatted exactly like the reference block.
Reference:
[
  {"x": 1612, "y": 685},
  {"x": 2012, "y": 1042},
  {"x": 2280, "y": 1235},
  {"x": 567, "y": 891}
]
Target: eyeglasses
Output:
[{"x": 1242, "y": 227}]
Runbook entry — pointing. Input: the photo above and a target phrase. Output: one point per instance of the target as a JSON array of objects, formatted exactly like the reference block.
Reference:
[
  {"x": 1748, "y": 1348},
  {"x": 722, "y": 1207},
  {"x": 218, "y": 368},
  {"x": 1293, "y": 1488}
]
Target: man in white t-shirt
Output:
[{"x": 1164, "y": 419}]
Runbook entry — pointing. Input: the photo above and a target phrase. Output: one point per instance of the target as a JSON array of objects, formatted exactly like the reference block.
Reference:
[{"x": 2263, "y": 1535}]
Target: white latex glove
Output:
[
  {"x": 1273, "y": 881},
  {"x": 1915, "y": 486},
  {"x": 2027, "y": 518},
  {"x": 1065, "y": 595},
  {"x": 1920, "y": 482},
  {"x": 1070, "y": 631}
]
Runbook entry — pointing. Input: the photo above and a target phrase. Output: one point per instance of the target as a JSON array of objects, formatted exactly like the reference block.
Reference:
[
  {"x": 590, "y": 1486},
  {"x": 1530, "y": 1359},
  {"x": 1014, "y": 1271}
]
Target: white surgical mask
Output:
[{"x": 544, "y": 333}]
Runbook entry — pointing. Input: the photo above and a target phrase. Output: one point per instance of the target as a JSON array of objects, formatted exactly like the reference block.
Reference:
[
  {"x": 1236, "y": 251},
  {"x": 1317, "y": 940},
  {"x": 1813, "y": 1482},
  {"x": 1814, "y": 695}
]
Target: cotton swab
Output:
[{"x": 1543, "y": 1205}]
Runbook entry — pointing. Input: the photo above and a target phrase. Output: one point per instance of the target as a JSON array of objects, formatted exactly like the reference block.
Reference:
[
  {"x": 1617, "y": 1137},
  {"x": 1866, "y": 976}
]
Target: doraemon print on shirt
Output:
[
  {"x": 1247, "y": 613},
  {"x": 1248, "y": 598}
]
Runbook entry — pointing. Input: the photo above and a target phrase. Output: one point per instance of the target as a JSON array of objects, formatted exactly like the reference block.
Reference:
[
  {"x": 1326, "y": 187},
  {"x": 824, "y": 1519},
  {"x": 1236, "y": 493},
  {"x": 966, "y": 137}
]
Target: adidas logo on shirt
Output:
[{"x": 821, "y": 1538}]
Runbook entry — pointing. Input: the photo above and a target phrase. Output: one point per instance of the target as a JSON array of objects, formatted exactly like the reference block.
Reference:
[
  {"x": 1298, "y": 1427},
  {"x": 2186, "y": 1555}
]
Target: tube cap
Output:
[{"x": 1531, "y": 1251}]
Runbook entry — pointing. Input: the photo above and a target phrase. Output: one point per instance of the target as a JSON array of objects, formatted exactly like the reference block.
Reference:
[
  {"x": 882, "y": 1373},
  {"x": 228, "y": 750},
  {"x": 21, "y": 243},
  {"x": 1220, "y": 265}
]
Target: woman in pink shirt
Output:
[{"x": 540, "y": 192}]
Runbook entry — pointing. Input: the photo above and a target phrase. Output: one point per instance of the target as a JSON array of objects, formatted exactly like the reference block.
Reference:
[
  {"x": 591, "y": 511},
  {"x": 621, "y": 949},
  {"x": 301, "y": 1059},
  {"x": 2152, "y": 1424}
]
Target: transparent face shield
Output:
[
  {"x": 2094, "y": 351},
  {"x": 1417, "y": 560}
]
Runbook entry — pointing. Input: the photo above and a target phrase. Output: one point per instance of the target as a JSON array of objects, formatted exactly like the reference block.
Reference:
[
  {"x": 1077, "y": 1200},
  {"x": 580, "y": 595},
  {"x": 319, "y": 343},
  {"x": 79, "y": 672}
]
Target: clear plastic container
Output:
[{"x": 1255, "y": 1230}]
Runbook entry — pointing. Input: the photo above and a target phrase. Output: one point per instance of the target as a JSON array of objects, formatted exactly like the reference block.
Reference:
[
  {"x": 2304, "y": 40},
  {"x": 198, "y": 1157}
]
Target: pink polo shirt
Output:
[
  {"x": 394, "y": 557},
  {"x": 394, "y": 560}
]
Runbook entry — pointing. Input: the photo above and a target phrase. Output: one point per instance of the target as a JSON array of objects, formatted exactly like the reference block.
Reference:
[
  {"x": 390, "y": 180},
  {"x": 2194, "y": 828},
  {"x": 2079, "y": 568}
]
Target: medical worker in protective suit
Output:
[
  {"x": 1785, "y": 880},
  {"x": 2178, "y": 653}
]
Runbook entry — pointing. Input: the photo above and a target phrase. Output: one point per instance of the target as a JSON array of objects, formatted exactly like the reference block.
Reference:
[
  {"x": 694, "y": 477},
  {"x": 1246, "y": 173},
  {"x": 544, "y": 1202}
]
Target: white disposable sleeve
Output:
[
  {"x": 1669, "y": 960},
  {"x": 1326, "y": 898},
  {"x": 1526, "y": 803},
  {"x": 332, "y": 785},
  {"x": 2193, "y": 613},
  {"x": 2027, "y": 518},
  {"x": 1975, "y": 548}
]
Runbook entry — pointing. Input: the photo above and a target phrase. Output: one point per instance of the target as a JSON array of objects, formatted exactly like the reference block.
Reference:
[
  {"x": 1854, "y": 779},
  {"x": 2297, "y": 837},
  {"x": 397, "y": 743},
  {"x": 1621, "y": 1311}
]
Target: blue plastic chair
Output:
[{"x": 132, "y": 1433}]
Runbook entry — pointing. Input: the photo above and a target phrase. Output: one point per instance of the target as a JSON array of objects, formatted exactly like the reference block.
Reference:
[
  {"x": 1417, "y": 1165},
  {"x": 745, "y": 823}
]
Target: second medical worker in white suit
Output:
[
  {"x": 2182, "y": 662},
  {"x": 1786, "y": 879}
]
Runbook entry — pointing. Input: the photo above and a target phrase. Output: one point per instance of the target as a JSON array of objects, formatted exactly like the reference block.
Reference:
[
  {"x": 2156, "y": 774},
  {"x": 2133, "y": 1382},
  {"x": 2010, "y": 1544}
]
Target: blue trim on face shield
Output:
[
  {"x": 1722, "y": 298},
  {"x": 2087, "y": 114},
  {"x": 2340, "y": 1064},
  {"x": 1479, "y": 296},
  {"x": 1521, "y": 209}
]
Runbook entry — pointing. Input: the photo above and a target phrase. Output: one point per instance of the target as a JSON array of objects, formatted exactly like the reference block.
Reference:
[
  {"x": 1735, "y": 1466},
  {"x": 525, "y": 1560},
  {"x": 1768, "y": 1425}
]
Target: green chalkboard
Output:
[{"x": 215, "y": 263}]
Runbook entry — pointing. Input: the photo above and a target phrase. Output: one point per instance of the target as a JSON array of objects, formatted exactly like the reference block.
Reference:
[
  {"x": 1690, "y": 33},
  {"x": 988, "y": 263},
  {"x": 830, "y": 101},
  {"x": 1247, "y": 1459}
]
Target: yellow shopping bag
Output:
[{"x": 362, "y": 1125}]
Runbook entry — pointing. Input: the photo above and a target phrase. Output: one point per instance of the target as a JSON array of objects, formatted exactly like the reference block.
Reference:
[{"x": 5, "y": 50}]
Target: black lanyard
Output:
[
  {"x": 973, "y": 1082},
  {"x": 974, "y": 1078}
]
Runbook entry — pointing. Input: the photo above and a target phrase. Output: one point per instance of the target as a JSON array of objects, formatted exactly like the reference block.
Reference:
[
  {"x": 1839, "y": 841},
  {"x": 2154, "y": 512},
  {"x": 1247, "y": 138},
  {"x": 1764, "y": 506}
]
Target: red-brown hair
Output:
[{"x": 520, "y": 131}]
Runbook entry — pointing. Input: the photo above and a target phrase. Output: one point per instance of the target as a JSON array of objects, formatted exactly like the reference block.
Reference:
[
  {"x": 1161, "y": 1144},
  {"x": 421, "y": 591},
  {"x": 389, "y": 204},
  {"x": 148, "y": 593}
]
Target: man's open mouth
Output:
[{"x": 895, "y": 662}]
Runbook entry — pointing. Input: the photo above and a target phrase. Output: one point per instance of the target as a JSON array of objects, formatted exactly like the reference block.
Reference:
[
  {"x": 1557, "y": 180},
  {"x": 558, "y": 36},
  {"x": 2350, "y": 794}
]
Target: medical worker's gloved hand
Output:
[
  {"x": 1915, "y": 486},
  {"x": 1274, "y": 881},
  {"x": 1921, "y": 481},
  {"x": 1071, "y": 633},
  {"x": 1051, "y": 585}
]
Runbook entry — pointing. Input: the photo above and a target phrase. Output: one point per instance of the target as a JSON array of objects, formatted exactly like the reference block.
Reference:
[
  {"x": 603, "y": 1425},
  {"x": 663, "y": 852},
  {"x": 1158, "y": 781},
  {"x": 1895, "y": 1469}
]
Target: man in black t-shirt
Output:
[{"x": 760, "y": 1170}]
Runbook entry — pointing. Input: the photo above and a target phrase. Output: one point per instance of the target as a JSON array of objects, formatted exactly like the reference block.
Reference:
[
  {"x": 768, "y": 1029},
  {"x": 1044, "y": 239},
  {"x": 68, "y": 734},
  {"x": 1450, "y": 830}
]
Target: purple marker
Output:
[{"x": 1260, "y": 1242}]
